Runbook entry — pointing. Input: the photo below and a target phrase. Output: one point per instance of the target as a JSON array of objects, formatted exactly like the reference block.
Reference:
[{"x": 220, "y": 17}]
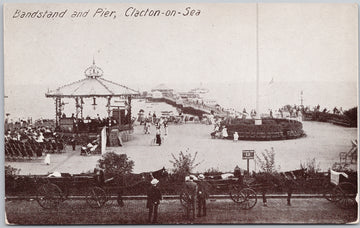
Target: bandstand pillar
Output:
[
  {"x": 109, "y": 106},
  {"x": 81, "y": 107},
  {"x": 129, "y": 110},
  {"x": 57, "y": 111},
  {"x": 77, "y": 108}
]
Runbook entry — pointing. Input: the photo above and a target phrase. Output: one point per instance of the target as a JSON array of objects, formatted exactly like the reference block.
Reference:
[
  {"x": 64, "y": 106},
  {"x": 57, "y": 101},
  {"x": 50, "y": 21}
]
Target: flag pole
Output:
[{"x": 258, "y": 117}]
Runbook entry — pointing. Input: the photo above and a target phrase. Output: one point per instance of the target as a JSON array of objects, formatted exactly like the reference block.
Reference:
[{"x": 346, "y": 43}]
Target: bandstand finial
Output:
[{"x": 93, "y": 71}]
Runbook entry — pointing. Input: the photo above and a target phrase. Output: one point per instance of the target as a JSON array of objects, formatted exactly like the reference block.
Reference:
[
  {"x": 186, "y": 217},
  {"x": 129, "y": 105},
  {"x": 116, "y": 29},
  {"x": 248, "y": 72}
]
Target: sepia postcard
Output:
[{"x": 183, "y": 113}]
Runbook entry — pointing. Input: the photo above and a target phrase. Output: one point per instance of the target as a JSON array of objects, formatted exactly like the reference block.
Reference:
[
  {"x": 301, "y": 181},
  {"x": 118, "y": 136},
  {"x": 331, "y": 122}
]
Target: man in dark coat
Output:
[
  {"x": 202, "y": 195},
  {"x": 191, "y": 188},
  {"x": 73, "y": 142},
  {"x": 158, "y": 135},
  {"x": 153, "y": 201}
]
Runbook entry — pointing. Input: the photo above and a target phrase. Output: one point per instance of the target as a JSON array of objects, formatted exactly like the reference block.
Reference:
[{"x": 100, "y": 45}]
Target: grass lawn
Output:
[{"x": 171, "y": 212}]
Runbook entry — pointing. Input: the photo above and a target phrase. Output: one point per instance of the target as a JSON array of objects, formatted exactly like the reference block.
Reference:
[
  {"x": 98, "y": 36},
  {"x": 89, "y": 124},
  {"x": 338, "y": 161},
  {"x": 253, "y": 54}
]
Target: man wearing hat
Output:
[
  {"x": 153, "y": 200},
  {"x": 191, "y": 189},
  {"x": 73, "y": 142},
  {"x": 202, "y": 194}
]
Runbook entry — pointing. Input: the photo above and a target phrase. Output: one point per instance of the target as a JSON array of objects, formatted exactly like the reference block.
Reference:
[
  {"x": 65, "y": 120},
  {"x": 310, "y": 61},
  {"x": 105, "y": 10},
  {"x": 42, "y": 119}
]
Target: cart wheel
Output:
[
  {"x": 120, "y": 200},
  {"x": 249, "y": 199},
  {"x": 346, "y": 193},
  {"x": 96, "y": 197},
  {"x": 235, "y": 194},
  {"x": 49, "y": 196},
  {"x": 331, "y": 195}
]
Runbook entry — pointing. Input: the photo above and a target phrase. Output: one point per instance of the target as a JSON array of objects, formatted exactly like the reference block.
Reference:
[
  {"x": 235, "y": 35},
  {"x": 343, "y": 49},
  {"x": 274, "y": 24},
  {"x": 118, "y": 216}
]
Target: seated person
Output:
[{"x": 89, "y": 148}]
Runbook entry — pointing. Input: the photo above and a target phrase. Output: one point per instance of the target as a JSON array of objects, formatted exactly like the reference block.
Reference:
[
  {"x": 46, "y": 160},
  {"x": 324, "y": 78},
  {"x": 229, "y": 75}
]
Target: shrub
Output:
[
  {"x": 116, "y": 164},
  {"x": 267, "y": 162},
  {"x": 11, "y": 171},
  {"x": 184, "y": 164},
  {"x": 213, "y": 171},
  {"x": 311, "y": 166},
  {"x": 341, "y": 167},
  {"x": 352, "y": 115}
]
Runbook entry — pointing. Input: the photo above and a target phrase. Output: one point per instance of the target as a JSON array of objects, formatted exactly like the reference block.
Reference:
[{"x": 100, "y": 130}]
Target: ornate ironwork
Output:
[{"x": 93, "y": 71}]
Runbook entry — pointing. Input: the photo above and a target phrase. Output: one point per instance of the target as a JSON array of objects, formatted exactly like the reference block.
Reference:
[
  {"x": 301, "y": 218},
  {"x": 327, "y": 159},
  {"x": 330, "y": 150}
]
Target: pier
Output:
[{"x": 191, "y": 108}]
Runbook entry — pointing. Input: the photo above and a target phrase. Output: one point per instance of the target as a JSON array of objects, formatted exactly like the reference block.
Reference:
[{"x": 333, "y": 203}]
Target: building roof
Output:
[
  {"x": 93, "y": 85},
  {"x": 199, "y": 90}
]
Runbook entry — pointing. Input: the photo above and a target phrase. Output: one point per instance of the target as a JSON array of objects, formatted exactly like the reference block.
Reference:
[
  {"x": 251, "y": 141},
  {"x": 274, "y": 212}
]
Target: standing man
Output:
[
  {"x": 191, "y": 189},
  {"x": 158, "y": 135},
  {"x": 73, "y": 142},
  {"x": 202, "y": 195},
  {"x": 154, "y": 118},
  {"x": 165, "y": 127},
  {"x": 153, "y": 201}
]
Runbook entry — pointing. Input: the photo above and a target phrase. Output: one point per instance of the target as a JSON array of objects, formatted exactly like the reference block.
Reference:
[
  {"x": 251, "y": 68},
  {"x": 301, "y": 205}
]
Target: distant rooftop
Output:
[{"x": 161, "y": 87}]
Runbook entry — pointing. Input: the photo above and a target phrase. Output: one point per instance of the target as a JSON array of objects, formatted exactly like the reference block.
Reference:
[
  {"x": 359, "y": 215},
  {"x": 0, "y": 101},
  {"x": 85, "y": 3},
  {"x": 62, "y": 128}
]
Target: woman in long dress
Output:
[
  {"x": 165, "y": 127},
  {"x": 158, "y": 135},
  {"x": 47, "y": 159},
  {"x": 224, "y": 133}
]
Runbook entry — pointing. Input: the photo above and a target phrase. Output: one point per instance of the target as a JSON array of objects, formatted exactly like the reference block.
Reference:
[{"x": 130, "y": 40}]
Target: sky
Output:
[{"x": 298, "y": 43}]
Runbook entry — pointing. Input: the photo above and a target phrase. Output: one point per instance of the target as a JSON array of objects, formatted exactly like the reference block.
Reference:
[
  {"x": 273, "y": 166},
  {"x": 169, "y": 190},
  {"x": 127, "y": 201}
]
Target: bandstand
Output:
[{"x": 93, "y": 86}]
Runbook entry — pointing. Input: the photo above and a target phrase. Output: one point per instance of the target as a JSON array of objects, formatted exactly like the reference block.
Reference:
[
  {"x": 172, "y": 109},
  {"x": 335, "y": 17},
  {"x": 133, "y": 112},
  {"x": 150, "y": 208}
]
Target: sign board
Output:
[
  {"x": 248, "y": 154},
  {"x": 258, "y": 121},
  {"x": 103, "y": 140},
  {"x": 113, "y": 137}
]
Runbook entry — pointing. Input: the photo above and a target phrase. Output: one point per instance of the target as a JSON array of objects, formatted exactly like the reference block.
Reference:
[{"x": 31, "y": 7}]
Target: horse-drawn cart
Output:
[
  {"x": 341, "y": 190},
  {"x": 239, "y": 192},
  {"x": 53, "y": 189}
]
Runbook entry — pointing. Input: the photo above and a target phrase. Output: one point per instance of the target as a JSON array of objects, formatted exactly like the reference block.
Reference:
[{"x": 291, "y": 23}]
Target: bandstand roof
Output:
[{"x": 93, "y": 85}]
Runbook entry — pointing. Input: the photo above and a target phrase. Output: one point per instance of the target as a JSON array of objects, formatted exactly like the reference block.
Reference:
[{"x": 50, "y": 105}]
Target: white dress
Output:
[
  {"x": 47, "y": 159},
  {"x": 236, "y": 136},
  {"x": 224, "y": 133}
]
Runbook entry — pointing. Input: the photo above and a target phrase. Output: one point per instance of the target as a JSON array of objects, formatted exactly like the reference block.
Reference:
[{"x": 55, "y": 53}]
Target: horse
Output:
[
  {"x": 134, "y": 183},
  {"x": 284, "y": 181}
]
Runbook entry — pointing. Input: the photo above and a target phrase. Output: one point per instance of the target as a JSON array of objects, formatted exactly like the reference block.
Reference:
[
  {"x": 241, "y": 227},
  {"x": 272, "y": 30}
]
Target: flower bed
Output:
[{"x": 270, "y": 129}]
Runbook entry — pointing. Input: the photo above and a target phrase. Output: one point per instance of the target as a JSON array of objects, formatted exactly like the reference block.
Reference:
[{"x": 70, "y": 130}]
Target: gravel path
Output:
[{"x": 324, "y": 142}]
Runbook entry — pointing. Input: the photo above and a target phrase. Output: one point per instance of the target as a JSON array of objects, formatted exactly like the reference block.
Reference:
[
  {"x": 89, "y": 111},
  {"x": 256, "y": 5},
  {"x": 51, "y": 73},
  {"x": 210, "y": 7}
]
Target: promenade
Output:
[{"x": 324, "y": 142}]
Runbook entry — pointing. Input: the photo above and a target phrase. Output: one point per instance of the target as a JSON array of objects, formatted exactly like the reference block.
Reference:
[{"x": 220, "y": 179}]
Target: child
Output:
[{"x": 236, "y": 136}]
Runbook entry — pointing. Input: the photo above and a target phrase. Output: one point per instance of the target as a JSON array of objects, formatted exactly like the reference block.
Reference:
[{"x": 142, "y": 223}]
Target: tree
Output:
[
  {"x": 184, "y": 164},
  {"x": 352, "y": 115},
  {"x": 267, "y": 162},
  {"x": 116, "y": 164}
]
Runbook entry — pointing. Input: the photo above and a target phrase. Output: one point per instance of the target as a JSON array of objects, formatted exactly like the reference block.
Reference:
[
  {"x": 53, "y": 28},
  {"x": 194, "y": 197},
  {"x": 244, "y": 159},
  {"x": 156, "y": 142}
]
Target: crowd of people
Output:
[
  {"x": 195, "y": 192},
  {"x": 159, "y": 123},
  {"x": 87, "y": 124},
  {"x": 299, "y": 110},
  {"x": 29, "y": 142}
]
